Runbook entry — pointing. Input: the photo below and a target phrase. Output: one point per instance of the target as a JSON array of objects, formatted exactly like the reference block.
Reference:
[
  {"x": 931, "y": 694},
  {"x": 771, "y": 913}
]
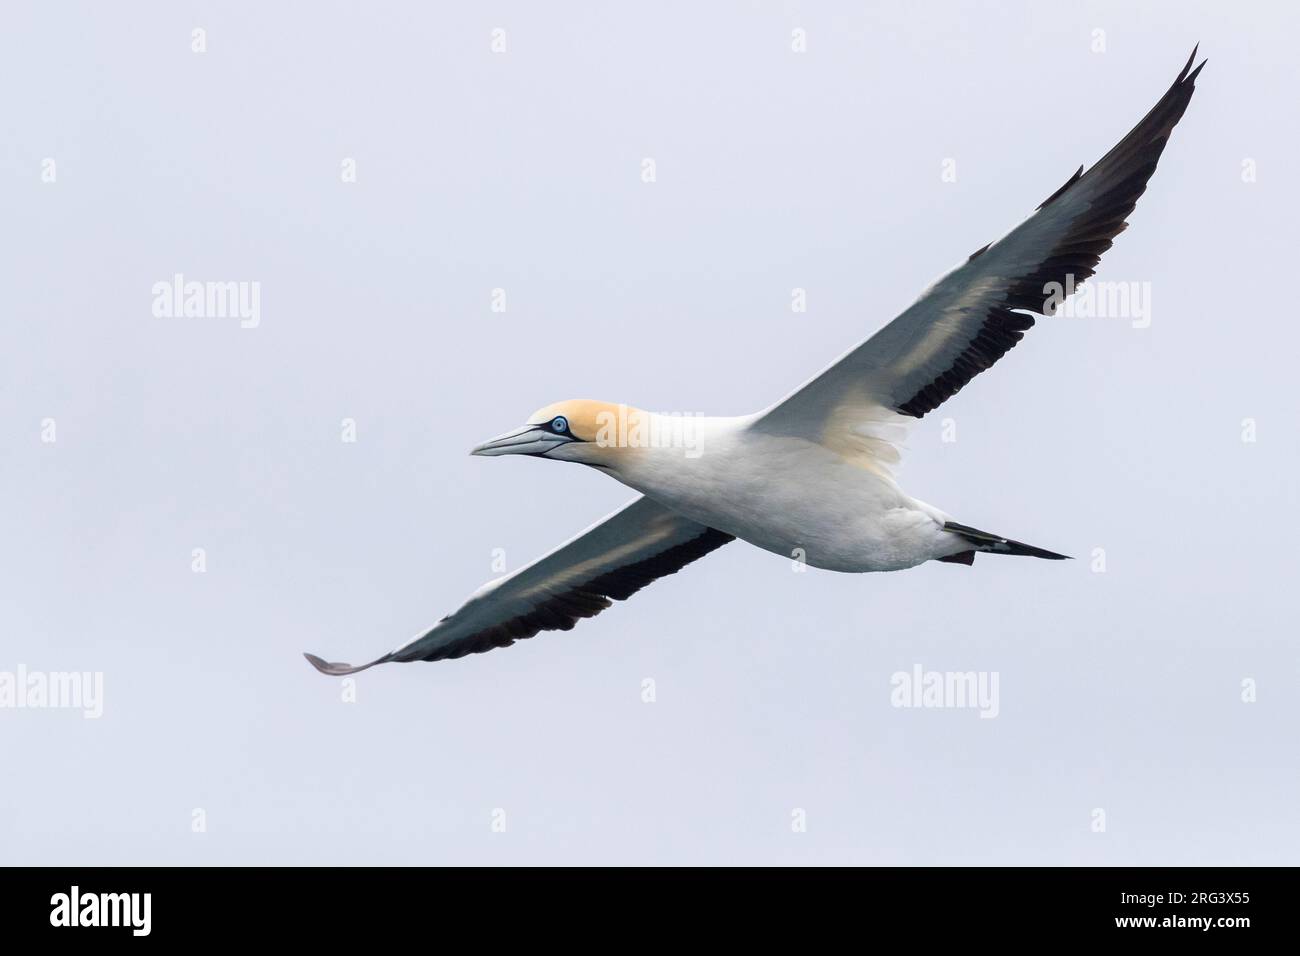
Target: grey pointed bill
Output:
[{"x": 529, "y": 440}]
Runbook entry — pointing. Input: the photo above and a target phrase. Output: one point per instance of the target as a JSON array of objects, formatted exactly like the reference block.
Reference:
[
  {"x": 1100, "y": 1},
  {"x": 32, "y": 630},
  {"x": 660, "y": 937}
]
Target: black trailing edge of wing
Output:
[
  {"x": 562, "y": 610},
  {"x": 559, "y": 611},
  {"x": 1117, "y": 180}
]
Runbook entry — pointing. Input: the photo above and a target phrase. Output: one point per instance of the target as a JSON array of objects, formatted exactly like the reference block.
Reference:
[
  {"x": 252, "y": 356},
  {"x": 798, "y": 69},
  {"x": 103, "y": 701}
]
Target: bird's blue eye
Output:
[{"x": 559, "y": 424}]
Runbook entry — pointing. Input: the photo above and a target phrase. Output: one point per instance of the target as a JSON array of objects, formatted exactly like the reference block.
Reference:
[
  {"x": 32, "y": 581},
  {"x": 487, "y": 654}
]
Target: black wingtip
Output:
[
  {"x": 336, "y": 670},
  {"x": 1189, "y": 75}
]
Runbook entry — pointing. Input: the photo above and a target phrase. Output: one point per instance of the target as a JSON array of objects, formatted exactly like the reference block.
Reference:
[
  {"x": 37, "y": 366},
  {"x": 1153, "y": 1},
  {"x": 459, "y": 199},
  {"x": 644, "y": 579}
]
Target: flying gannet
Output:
[{"x": 809, "y": 476}]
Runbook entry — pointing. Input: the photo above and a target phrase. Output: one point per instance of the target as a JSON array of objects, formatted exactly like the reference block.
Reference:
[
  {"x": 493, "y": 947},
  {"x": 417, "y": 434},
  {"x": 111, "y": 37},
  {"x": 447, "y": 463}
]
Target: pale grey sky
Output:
[{"x": 775, "y": 170}]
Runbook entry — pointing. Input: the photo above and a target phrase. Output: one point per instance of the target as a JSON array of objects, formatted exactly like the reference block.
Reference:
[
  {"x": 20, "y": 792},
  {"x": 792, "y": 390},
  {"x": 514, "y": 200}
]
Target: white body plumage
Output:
[{"x": 790, "y": 496}]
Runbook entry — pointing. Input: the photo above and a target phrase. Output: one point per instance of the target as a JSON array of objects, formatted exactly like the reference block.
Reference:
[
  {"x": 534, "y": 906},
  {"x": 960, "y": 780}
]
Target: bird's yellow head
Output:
[{"x": 578, "y": 430}]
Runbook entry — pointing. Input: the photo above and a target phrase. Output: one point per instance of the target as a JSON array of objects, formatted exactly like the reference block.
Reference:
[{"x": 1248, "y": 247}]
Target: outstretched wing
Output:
[
  {"x": 610, "y": 561},
  {"x": 972, "y": 316}
]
